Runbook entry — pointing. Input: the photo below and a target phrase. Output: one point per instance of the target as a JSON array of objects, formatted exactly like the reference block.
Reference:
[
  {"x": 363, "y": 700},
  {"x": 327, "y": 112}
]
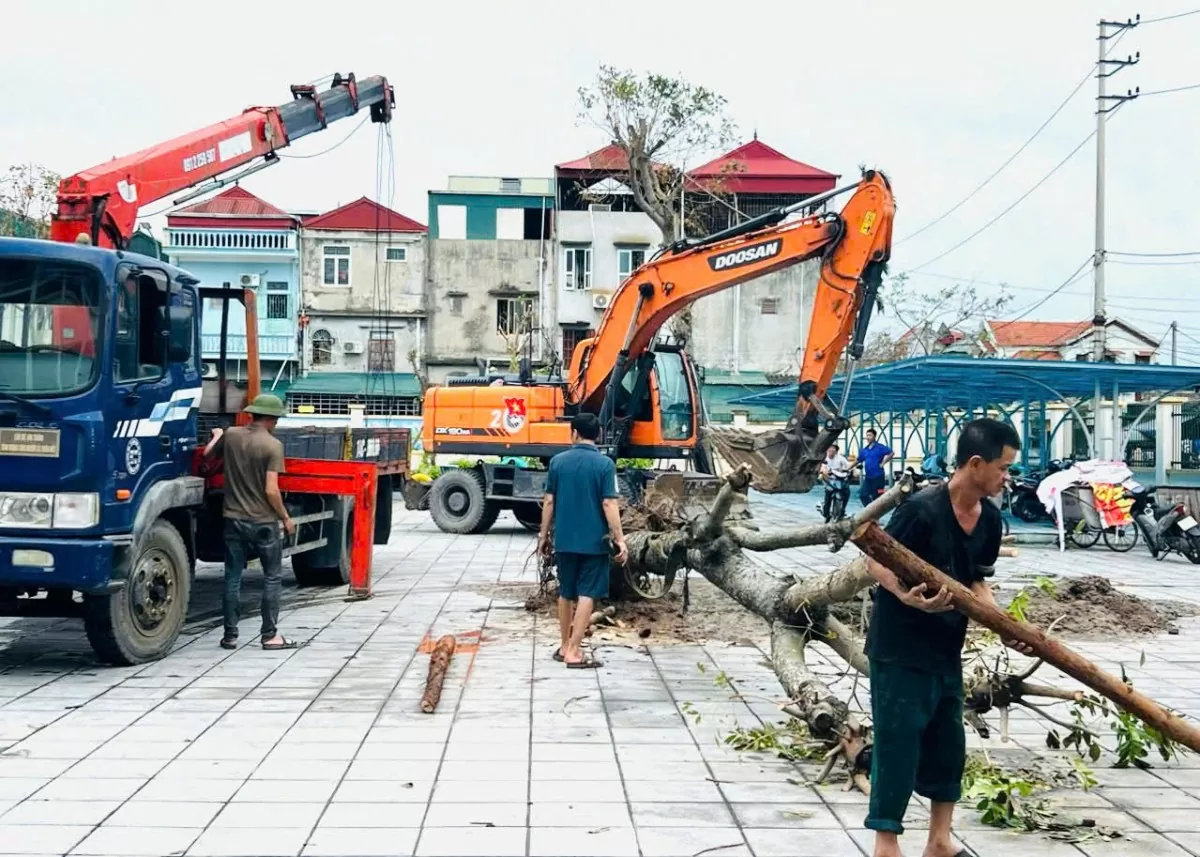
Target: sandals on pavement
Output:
[
  {"x": 585, "y": 664},
  {"x": 558, "y": 655},
  {"x": 276, "y": 647}
]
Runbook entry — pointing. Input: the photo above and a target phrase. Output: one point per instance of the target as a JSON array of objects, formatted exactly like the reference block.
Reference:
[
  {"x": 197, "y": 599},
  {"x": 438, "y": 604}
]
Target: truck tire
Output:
[
  {"x": 384, "y": 498},
  {"x": 309, "y": 574},
  {"x": 141, "y": 621},
  {"x": 528, "y": 515},
  {"x": 457, "y": 503}
]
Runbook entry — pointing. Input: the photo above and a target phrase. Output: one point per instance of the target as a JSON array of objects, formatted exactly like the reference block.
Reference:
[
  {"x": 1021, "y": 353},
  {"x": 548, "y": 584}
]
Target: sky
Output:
[{"x": 936, "y": 94}]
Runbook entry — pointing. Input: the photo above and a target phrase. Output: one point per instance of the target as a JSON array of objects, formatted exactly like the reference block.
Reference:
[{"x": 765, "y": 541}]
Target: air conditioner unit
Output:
[
  {"x": 351, "y": 347},
  {"x": 249, "y": 280},
  {"x": 601, "y": 301},
  {"x": 210, "y": 370},
  {"x": 599, "y": 206}
]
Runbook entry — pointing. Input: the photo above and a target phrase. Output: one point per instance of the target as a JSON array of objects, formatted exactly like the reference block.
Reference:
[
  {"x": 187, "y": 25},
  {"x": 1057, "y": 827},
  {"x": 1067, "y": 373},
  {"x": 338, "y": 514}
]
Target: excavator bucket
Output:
[
  {"x": 690, "y": 495},
  {"x": 778, "y": 460}
]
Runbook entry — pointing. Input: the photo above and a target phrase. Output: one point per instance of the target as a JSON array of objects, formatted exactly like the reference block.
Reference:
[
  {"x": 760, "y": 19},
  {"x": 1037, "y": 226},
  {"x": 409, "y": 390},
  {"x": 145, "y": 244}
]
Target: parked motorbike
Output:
[
  {"x": 1165, "y": 530},
  {"x": 1024, "y": 501}
]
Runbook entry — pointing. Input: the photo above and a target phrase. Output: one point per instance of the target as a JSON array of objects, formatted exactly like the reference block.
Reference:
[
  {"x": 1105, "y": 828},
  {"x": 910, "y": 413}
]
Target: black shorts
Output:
[{"x": 582, "y": 574}]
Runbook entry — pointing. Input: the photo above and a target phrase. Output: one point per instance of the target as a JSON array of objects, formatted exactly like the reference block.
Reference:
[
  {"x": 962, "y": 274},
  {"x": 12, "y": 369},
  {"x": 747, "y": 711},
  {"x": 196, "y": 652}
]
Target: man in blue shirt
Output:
[
  {"x": 581, "y": 501},
  {"x": 873, "y": 456}
]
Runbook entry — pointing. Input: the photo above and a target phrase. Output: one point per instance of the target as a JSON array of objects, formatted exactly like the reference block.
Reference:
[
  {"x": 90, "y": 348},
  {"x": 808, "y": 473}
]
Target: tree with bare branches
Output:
[{"x": 28, "y": 196}]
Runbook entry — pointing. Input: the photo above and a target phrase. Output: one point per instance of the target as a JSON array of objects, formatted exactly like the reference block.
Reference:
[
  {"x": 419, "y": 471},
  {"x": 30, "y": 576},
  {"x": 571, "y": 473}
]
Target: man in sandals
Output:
[
  {"x": 581, "y": 501},
  {"x": 254, "y": 511},
  {"x": 916, "y": 638}
]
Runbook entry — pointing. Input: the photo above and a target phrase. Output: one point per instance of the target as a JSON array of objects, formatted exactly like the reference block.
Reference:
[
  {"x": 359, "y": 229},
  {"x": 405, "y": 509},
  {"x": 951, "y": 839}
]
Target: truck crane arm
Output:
[
  {"x": 854, "y": 246},
  {"x": 102, "y": 203}
]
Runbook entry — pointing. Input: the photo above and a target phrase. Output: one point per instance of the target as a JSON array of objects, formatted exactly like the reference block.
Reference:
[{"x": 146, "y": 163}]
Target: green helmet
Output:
[{"x": 266, "y": 405}]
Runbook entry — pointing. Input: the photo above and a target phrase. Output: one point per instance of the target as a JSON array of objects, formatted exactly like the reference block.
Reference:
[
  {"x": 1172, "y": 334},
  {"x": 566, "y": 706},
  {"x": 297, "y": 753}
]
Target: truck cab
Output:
[{"x": 99, "y": 389}]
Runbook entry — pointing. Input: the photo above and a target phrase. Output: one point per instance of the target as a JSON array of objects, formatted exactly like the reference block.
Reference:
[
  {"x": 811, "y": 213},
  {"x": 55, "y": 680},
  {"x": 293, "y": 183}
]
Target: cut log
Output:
[
  {"x": 439, "y": 661},
  {"x": 913, "y": 571}
]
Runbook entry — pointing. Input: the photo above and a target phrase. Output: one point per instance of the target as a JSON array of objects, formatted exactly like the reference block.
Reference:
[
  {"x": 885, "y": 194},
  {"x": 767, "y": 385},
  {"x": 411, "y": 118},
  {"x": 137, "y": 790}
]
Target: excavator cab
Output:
[{"x": 660, "y": 398}]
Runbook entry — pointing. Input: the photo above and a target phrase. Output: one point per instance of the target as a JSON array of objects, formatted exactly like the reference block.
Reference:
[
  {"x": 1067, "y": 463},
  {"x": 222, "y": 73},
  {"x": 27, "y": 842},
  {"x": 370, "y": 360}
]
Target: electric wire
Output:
[
  {"x": 1153, "y": 255},
  {"x": 1146, "y": 21},
  {"x": 1168, "y": 91},
  {"x": 1068, "y": 281},
  {"x": 340, "y": 142},
  {"x": 1017, "y": 202}
]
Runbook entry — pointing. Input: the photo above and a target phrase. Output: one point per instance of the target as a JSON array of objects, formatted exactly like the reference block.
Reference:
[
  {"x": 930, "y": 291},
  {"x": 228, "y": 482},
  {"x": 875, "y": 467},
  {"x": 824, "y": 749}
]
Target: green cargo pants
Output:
[{"x": 919, "y": 743}]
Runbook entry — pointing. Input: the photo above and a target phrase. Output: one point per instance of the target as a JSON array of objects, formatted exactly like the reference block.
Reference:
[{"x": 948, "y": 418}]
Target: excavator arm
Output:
[
  {"x": 854, "y": 246},
  {"x": 102, "y": 203}
]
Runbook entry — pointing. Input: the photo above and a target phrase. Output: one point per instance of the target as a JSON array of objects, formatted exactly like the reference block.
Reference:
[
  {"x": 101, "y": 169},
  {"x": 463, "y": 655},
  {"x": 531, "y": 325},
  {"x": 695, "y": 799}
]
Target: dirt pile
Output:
[{"x": 1092, "y": 608}]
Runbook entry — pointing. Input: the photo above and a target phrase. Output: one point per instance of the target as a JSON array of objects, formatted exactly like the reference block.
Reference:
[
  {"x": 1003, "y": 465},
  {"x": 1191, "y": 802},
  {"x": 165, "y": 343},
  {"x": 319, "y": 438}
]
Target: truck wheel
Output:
[
  {"x": 529, "y": 516},
  {"x": 309, "y": 574},
  {"x": 457, "y": 503},
  {"x": 491, "y": 511},
  {"x": 141, "y": 621}
]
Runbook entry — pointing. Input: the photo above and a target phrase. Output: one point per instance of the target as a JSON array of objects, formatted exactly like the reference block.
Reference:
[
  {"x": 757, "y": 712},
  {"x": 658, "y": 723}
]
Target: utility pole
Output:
[
  {"x": 1105, "y": 104},
  {"x": 1174, "y": 343}
]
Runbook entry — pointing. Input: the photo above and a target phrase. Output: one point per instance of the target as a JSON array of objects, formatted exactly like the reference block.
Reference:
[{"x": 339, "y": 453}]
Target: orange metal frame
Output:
[{"x": 355, "y": 479}]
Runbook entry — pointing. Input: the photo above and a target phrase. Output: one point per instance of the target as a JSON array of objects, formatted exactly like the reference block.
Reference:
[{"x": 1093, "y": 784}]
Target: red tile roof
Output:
[
  {"x": 1036, "y": 354},
  {"x": 610, "y": 159},
  {"x": 1043, "y": 334},
  {"x": 237, "y": 208},
  {"x": 755, "y": 167},
  {"x": 364, "y": 215}
]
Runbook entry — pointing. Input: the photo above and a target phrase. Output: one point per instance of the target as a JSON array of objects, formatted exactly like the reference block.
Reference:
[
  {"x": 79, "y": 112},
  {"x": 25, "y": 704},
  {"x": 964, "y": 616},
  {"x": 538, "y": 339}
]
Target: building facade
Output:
[
  {"x": 1067, "y": 340},
  {"x": 237, "y": 241},
  {"x": 364, "y": 311},
  {"x": 488, "y": 282}
]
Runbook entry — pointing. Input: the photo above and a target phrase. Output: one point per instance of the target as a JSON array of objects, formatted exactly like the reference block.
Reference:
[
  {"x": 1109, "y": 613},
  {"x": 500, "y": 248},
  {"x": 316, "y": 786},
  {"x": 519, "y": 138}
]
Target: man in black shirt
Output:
[{"x": 915, "y": 642}]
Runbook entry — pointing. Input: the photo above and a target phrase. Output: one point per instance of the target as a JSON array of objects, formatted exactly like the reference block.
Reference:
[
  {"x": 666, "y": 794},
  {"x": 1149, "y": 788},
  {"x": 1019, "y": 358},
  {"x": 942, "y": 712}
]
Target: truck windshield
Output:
[{"x": 49, "y": 324}]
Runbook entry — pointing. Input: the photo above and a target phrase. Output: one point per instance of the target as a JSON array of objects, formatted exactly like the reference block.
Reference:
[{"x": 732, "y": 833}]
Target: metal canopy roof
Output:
[{"x": 942, "y": 382}]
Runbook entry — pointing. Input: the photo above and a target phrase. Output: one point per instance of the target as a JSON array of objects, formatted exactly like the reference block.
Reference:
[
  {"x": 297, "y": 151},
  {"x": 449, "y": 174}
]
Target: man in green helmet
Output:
[{"x": 254, "y": 512}]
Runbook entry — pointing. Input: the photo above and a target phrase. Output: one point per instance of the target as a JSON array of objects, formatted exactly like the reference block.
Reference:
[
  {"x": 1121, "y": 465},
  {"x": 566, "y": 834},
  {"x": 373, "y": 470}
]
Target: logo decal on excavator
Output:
[
  {"x": 514, "y": 415},
  {"x": 745, "y": 256}
]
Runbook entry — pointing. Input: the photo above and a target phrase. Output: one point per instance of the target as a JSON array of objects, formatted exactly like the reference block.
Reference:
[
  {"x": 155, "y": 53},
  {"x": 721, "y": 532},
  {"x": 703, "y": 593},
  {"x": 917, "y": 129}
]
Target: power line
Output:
[
  {"x": 1068, "y": 281},
  {"x": 1168, "y": 17},
  {"x": 1155, "y": 255},
  {"x": 1168, "y": 91},
  {"x": 1155, "y": 263},
  {"x": 362, "y": 122},
  {"x": 1000, "y": 169},
  {"x": 1018, "y": 201}
]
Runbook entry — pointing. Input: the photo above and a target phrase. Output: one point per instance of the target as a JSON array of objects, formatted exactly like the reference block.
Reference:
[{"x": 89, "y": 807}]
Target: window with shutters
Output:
[
  {"x": 381, "y": 352},
  {"x": 322, "y": 348},
  {"x": 629, "y": 259},
  {"x": 337, "y": 265},
  {"x": 577, "y": 268}
]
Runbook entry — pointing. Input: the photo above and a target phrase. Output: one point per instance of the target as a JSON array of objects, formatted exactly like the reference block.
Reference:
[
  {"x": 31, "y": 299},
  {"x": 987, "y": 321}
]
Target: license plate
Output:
[
  {"x": 34, "y": 443},
  {"x": 1186, "y": 523}
]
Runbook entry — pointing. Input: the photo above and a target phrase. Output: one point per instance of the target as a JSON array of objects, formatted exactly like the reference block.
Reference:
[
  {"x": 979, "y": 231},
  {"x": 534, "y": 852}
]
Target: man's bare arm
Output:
[
  {"x": 214, "y": 442},
  {"x": 612, "y": 514},
  {"x": 939, "y": 602},
  {"x": 547, "y": 516},
  {"x": 886, "y": 578},
  {"x": 275, "y": 496}
]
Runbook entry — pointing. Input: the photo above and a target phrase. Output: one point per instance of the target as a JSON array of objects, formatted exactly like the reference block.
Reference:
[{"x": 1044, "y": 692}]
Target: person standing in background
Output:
[{"x": 873, "y": 456}]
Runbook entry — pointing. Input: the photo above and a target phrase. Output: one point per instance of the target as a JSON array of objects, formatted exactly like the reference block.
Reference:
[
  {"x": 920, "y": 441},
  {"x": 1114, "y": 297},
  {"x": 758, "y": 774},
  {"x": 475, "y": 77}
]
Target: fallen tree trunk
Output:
[
  {"x": 439, "y": 662},
  {"x": 913, "y": 571}
]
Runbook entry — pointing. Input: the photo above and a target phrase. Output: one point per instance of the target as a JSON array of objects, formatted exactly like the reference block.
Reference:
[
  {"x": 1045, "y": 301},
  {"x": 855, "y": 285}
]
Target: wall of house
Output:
[
  {"x": 483, "y": 216},
  {"x": 408, "y": 334},
  {"x": 276, "y": 336},
  {"x": 732, "y": 333},
  {"x": 465, "y": 280},
  {"x": 375, "y": 283},
  {"x": 1116, "y": 340},
  {"x": 605, "y": 232}
]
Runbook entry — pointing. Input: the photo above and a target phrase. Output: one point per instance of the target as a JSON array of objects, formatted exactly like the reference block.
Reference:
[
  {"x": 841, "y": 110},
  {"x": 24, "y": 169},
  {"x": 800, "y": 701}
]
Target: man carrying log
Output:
[{"x": 915, "y": 640}]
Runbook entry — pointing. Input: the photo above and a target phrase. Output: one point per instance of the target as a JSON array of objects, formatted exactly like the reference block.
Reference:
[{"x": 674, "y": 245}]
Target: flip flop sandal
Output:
[
  {"x": 277, "y": 647},
  {"x": 586, "y": 664},
  {"x": 558, "y": 655},
  {"x": 229, "y": 643}
]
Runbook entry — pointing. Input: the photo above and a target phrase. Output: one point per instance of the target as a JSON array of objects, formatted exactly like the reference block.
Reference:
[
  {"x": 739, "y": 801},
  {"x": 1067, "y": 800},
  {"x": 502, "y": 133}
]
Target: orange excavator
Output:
[{"x": 646, "y": 392}]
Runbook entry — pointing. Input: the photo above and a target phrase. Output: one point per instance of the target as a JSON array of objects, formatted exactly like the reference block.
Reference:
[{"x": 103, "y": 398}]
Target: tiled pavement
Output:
[{"x": 322, "y": 751}]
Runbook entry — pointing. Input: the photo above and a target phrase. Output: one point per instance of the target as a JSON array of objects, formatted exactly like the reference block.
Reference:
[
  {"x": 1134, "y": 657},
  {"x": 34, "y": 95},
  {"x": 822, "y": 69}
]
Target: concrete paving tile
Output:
[
  {"x": 40, "y": 838},
  {"x": 150, "y": 813},
  {"x": 580, "y": 814},
  {"x": 110, "y": 769},
  {"x": 136, "y": 841},
  {"x": 299, "y": 769},
  {"x": 391, "y": 769},
  {"x": 481, "y": 791},
  {"x": 251, "y": 814},
  {"x": 1134, "y": 845},
  {"x": 471, "y": 842},
  {"x": 776, "y": 842},
  {"x": 327, "y": 841},
  {"x": 18, "y": 788},
  {"x": 582, "y": 842},
  {"x": 373, "y": 815},
  {"x": 768, "y": 793},
  {"x": 180, "y": 789},
  {"x": 61, "y": 812},
  {"x": 685, "y": 842},
  {"x": 576, "y": 770},
  {"x": 556, "y": 791},
  {"x": 376, "y": 791},
  {"x": 996, "y": 843},
  {"x": 109, "y": 790},
  {"x": 802, "y": 817},
  {"x": 484, "y": 770},
  {"x": 428, "y": 752},
  {"x": 684, "y": 792},
  {"x": 240, "y": 841},
  {"x": 1150, "y": 798},
  {"x": 1189, "y": 841},
  {"x": 681, "y": 815}
]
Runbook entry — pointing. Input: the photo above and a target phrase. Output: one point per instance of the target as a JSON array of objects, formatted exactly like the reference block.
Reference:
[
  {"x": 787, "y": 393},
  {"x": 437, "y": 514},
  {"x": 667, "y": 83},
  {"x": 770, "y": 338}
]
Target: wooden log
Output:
[
  {"x": 439, "y": 661},
  {"x": 1005, "y": 550},
  {"x": 913, "y": 571}
]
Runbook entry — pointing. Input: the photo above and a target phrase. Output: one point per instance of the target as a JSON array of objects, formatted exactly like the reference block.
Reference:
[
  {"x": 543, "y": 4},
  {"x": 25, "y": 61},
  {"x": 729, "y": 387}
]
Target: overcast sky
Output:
[{"x": 937, "y": 94}]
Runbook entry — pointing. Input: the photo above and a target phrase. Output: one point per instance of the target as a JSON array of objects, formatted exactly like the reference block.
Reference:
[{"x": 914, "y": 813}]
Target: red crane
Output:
[{"x": 102, "y": 203}]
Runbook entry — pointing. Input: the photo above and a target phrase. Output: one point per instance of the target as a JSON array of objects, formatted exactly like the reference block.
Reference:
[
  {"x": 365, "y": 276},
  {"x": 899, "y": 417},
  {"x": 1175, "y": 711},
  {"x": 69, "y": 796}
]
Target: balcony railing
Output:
[
  {"x": 206, "y": 239},
  {"x": 268, "y": 346}
]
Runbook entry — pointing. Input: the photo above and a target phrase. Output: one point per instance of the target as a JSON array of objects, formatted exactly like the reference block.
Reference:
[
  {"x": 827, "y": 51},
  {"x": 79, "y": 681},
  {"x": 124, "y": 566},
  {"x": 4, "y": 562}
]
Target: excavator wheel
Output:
[
  {"x": 458, "y": 505},
  {"x": 767, "y": 454}
]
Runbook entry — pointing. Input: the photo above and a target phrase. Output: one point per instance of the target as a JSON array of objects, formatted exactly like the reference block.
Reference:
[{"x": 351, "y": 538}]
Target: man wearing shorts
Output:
[{"x": 581, "y": 501}]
